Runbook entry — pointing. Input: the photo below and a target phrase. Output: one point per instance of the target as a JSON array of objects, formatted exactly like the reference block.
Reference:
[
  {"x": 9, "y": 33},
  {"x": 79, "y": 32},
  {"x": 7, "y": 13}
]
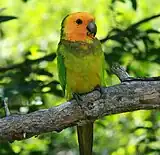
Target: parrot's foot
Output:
[
  {"x": 100, "y": 89},
  {"x": 78, "y": 98},
  {"x": 6, "y": 109}
]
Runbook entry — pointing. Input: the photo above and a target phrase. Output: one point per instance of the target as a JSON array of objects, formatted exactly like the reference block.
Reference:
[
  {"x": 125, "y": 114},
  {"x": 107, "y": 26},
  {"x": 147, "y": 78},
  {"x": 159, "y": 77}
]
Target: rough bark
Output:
[{"x": 132, "y": 94}]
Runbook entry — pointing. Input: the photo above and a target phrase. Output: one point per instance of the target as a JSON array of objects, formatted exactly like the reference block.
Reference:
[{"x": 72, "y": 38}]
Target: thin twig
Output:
[
  {"x": 125, "y": 32},
  {"x": 120, "y": 72},
  {"x": 6, "y": 109},
  {"x": 49, "y": 57},
  {"x": 124, "y": 76}
]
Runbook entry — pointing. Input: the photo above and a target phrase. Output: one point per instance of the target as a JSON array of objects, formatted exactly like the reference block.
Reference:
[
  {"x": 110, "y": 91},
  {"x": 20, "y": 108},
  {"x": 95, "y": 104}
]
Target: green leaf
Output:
[
  {"x": 6, "y": 18},
  {"x": 134, "y": 4}
]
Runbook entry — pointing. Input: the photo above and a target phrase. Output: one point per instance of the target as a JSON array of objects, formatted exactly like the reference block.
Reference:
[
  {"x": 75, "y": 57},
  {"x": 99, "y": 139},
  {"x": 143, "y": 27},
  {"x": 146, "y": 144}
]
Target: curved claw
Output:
[
  {"x": 100, "y": 89},
  {"x": 77, "y": 97}
]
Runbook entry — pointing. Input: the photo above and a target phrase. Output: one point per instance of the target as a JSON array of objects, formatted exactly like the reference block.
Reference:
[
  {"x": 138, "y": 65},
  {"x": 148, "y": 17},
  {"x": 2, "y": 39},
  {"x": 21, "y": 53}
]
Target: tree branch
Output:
[
  {"x": 123, "y": 33},
  {"x": 49, "y": 57},
  {"x": 132, "y": 94}
]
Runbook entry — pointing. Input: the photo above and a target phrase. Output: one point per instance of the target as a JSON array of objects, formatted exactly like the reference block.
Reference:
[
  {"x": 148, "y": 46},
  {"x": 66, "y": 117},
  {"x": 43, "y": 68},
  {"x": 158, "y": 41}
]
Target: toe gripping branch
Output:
[
  {"x": 86, "y": 106},
  {"x": 77, "y": 97}
]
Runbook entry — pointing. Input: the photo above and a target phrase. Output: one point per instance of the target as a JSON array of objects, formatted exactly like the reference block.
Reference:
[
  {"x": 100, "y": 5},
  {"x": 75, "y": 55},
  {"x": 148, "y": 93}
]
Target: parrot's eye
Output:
[{"x": 79, "y": 21}]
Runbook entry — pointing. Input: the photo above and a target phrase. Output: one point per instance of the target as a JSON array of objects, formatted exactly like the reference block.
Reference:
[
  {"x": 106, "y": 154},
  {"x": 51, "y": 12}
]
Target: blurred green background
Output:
[{"x": 28, "y": 75}]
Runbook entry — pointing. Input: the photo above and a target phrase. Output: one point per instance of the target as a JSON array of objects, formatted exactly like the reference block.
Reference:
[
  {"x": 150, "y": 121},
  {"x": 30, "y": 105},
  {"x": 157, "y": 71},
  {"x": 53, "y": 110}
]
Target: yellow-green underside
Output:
[{"x": 84, "y": 72}]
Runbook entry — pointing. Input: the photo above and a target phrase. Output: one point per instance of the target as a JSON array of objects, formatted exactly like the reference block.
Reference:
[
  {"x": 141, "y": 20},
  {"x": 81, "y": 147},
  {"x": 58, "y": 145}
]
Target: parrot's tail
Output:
[{"x": 85, "y": 138}]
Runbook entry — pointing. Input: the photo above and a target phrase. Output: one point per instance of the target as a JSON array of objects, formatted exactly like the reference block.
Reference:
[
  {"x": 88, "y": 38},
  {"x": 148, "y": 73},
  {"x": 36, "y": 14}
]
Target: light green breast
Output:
[{"x": 84, "y": 65}]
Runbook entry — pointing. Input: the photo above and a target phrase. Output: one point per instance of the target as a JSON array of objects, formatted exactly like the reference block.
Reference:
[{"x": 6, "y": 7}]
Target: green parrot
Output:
[{"x": 80, "y": 62}]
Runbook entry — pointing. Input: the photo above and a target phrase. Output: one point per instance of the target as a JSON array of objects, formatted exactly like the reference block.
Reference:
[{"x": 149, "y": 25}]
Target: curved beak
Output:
[{"x": 92, "y": 28}]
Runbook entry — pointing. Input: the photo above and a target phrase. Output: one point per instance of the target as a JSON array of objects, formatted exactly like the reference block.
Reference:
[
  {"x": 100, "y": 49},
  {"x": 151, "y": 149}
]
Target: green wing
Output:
[
  {"x": 61, "y": 69},
  {"x": 103, "y": 72}
]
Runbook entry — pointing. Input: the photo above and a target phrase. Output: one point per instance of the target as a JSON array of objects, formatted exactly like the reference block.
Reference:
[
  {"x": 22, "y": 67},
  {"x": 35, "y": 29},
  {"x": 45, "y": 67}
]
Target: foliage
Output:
[{"x": 28, "y": 75}]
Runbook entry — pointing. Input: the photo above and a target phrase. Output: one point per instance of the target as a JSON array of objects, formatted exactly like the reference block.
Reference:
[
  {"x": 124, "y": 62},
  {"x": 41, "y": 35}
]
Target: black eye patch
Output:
[{"x": 79, "y": 21}]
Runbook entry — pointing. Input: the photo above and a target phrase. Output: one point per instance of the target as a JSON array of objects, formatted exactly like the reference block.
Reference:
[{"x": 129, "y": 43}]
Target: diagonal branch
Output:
[
  {"x": 143, "y": 21},
  {"x": 130, "y": 95},
  {"x": 127, "y": 30},
  {"x": 49, "y": 57}
]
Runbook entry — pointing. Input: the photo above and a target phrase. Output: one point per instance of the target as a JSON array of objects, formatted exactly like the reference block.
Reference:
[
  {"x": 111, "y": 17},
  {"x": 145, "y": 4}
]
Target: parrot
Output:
[{"x": 81, "y": 65}]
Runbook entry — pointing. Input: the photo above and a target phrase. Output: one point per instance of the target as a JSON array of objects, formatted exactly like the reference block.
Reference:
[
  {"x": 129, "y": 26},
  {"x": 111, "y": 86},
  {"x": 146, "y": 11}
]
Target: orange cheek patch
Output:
[{"x": 75, "y": 32}]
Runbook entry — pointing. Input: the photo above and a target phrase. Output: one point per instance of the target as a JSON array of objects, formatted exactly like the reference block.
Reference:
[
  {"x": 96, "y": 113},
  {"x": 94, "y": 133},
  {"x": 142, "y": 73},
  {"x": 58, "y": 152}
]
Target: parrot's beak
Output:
[{"x": 92, "y": 28}]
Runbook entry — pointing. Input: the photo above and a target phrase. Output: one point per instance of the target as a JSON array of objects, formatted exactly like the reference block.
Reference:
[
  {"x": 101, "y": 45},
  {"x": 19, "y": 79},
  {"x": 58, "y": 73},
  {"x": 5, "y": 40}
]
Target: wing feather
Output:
[{"x": 61, "y": 69}]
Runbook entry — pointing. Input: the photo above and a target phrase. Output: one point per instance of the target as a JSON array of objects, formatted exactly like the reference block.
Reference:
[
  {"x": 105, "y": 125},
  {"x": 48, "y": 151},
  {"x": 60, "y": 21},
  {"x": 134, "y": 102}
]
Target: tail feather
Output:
[{"x": 85, "y": 138}]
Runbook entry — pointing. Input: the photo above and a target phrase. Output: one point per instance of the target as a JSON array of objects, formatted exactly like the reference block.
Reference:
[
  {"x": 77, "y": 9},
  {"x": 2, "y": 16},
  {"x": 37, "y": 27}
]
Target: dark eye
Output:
[{"x": 79, "y": 21}]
